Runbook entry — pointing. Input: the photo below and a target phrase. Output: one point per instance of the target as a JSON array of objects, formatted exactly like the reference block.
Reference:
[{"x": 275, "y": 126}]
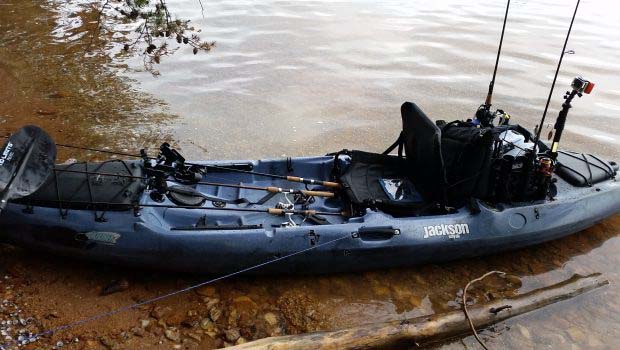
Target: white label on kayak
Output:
[
  {"x": 450, "y": 230},
  {"x": 7, "y": 155},
  {"x": 103, "y": 237}
]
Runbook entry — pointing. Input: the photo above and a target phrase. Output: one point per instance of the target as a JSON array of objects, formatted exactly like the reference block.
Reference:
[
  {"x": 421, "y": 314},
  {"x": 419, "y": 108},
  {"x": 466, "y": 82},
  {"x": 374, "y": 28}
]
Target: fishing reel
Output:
[
  {"x": 170, "y": 163},
  {"x": 485, "y": 117}
]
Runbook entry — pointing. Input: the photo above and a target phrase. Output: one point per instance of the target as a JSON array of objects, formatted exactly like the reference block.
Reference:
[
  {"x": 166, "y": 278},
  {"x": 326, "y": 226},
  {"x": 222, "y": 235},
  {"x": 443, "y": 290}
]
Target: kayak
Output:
[
  {"x": 184, "y": 240},
  {"x": 219, "y": 220}
]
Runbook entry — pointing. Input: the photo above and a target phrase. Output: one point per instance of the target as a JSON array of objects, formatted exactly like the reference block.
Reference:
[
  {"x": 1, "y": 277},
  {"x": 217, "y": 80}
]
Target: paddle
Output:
[{"x": 26, "y": 161}]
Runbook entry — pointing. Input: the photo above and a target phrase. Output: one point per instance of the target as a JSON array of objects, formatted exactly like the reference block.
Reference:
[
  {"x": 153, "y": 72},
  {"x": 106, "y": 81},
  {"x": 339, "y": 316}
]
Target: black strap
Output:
[
  {"x": 336, "y": 168},
  {"x": 400, "y": 141}
]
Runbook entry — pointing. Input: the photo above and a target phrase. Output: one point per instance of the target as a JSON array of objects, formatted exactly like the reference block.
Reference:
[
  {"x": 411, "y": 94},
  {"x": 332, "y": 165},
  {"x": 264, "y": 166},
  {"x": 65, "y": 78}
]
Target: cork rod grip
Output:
[{"x": 323, "y": 194}]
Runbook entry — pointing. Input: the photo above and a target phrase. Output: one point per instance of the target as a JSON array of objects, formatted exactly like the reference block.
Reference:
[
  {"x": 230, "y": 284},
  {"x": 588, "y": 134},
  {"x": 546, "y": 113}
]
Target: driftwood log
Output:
[{"x": 429, "y": 328}]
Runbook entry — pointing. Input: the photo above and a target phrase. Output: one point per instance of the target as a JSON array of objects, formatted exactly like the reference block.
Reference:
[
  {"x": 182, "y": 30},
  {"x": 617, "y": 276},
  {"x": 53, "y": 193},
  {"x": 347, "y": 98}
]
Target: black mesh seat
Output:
[{"x": 396, "y": 184}]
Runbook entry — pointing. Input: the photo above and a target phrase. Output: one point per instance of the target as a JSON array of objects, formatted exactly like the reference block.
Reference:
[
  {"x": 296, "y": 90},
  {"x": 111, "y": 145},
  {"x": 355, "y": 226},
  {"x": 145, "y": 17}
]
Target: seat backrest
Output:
[{"x": 422, "y": 143}]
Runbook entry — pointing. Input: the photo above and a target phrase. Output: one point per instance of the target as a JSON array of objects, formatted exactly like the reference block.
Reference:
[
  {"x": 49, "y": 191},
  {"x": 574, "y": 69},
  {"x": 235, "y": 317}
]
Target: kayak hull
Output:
[{"x": 154, "y": 237}]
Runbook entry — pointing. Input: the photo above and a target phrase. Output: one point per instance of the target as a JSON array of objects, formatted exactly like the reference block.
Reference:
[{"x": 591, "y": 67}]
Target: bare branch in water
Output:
[{"x": 155, "y": 28}]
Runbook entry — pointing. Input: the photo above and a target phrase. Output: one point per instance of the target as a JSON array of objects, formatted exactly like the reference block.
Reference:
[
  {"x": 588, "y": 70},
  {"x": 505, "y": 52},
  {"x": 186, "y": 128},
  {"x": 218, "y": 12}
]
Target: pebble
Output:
[
  {"x": 194, "y": 336},
  {"x": 215, "y": 313},
  {"x": 211, "y": 302},
  {"x": 108, "y": 343},
  {"x": 271, "y": 318},
  {"x": 172, "y": 334},
  {"x": 159, "y": 312},
  {"x": 207, "y": 324},
  {"x": 138, "y": 331},
  {"x": 232, "y": 335},
  {"x": 145, "y": 323}
]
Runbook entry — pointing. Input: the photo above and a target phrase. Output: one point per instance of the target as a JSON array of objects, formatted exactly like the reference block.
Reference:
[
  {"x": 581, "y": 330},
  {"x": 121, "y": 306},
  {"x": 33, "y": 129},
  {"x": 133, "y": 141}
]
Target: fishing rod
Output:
[
  {"x": 329, "y": 184},
  {"x": 547, "y": 162},
  {"x": 555, "y": 77},
  {"x": 271, "y": 189},
  {"x": 484, "y": 114},
  {"x": 172, "y": 158}
]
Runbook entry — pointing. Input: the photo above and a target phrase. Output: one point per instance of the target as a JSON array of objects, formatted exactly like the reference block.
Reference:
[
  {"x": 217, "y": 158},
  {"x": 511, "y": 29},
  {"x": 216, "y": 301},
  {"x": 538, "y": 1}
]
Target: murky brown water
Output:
[{"x": 308, "y": 77}]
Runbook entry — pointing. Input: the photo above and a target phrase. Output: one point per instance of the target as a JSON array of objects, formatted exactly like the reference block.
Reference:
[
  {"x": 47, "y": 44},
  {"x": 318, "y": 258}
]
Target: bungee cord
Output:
[{"x": 328, "y": 184}]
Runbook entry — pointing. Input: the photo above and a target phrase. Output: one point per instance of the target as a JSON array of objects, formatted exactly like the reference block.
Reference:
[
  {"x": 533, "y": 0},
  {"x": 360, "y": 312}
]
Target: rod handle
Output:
[
  {"x": 273, "y": 189},
  {"x": 275, "y": 211},
  {"x": 331, "y": 184},
  {"x": 314, "y": 182},
  {"x": 323, "y": 194}
]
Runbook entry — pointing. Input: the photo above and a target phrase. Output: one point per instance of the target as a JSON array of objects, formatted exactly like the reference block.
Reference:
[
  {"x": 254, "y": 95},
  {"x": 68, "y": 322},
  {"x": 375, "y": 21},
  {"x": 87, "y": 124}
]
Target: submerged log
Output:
[{"x": 429, "y": 328}]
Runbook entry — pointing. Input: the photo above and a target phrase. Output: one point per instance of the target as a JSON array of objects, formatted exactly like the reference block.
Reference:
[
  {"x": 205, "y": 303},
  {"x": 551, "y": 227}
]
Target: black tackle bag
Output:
[{"x": 466, "y": 149}]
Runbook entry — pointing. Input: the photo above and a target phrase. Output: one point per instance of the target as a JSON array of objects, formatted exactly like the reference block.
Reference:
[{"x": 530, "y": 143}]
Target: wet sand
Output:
[{"x": 88, "y": 102}]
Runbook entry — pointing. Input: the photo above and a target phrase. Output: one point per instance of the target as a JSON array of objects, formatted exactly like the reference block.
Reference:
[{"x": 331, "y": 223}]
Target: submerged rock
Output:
[
  {"x": 576, "y": 334},
  {"x": 524, "y": 332}
]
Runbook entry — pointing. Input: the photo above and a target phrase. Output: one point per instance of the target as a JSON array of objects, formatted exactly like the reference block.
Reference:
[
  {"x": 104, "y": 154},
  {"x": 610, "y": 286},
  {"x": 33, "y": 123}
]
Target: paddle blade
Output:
[{"x": 26, "y": 161}]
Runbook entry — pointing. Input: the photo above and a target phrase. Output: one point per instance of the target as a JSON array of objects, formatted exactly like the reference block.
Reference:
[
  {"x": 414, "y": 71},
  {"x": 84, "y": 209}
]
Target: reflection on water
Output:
[
  {"x": 48, "y": 82},
  {"x": 308, "y": 77}
]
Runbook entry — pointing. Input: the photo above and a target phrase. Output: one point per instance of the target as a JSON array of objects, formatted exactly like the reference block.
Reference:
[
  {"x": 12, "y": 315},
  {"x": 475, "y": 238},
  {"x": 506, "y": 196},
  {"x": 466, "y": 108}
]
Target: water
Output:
[
  {"x": 286, "y": 74},
  {"x": 310, "y": 77}
]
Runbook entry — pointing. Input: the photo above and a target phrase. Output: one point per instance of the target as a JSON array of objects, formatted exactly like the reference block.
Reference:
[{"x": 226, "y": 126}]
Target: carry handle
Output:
[{"x": 380, "y": 233}]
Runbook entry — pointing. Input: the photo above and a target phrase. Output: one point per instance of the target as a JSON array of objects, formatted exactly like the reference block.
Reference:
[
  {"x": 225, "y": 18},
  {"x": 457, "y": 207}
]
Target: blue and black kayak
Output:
[{"x": 375, "y": 210}]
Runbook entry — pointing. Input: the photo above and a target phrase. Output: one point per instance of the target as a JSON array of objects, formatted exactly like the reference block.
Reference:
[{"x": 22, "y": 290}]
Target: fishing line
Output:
[
  {"x": 93, "y": 318},
  {"x": 499, "y": 52},
  {"x": 93, "y": 149},
  {"x": 555, "y": 77},
  {"x": 284, "y": 177}
]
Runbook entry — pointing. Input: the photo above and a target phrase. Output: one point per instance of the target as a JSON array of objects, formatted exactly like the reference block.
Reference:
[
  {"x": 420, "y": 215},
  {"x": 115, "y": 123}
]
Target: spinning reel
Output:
[{"x": 168, "y": 163}]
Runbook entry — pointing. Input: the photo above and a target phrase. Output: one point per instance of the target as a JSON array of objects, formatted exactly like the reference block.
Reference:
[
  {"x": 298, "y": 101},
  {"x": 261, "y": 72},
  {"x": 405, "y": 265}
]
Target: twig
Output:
[
  {"x": 471, "y": 324},
  {"x": 96, "y": 30}
]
